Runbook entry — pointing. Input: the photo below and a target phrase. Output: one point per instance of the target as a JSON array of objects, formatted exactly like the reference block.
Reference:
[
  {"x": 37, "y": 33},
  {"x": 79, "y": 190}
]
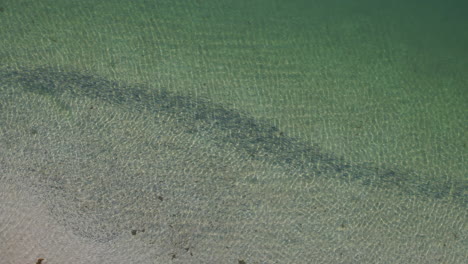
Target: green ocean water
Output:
[{"x": 227, "y": 119}]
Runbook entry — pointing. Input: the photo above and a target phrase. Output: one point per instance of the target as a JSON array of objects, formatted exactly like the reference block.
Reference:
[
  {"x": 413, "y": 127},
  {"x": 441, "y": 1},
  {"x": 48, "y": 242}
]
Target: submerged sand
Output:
[{"x": 99, "y": 172}]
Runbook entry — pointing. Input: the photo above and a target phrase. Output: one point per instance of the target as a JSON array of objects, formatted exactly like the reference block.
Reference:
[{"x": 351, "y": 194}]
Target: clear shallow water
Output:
[
  {"x": 214, "y": 132},
  {"x": 187, "y": 180}
]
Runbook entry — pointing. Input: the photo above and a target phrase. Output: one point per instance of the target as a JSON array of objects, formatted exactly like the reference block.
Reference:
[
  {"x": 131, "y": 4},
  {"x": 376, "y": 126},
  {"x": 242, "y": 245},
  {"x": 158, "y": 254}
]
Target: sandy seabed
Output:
[{"x": 29, "y": 233}]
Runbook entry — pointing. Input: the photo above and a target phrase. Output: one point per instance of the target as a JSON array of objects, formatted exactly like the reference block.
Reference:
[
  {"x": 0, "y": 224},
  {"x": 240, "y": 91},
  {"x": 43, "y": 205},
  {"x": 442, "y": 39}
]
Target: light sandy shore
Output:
[{"x": 29, "y": 233}]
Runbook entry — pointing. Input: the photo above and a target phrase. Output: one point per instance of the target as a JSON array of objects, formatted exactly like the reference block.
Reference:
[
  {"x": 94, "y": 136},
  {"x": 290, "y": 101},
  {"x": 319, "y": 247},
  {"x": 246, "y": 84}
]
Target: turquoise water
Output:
[{"x": 251, "y": 131}]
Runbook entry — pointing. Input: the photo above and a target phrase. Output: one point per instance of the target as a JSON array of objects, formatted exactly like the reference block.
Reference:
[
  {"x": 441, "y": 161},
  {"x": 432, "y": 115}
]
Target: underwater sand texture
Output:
[{"x": 183, "y": 180}]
